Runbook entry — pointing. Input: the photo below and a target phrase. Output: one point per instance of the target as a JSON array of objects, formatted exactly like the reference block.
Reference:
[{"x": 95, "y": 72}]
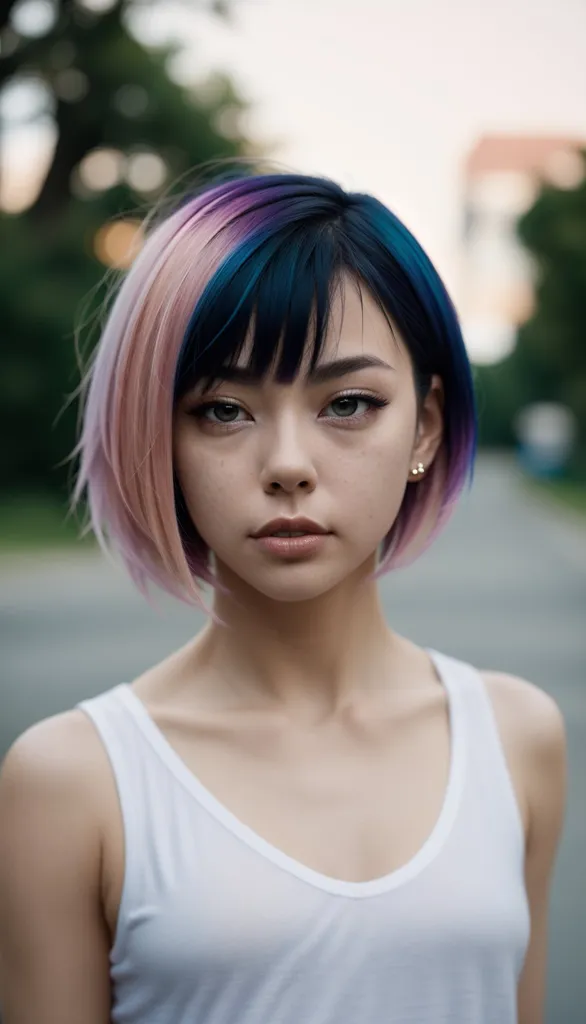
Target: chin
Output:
[
  {"x": 294, "y": 594},
  {"x": 300, "y": 581}
]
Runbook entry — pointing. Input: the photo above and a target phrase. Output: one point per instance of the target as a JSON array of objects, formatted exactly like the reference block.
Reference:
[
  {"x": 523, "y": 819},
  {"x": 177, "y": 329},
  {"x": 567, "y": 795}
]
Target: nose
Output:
[{"x": 287, "y": 464}]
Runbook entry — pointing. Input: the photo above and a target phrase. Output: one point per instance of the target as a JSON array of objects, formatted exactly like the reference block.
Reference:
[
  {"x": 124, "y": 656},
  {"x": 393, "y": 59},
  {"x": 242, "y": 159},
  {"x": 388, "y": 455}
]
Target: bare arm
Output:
[
  {"x": 53, "y": 939},
  {"x": 547, "y": 771}
]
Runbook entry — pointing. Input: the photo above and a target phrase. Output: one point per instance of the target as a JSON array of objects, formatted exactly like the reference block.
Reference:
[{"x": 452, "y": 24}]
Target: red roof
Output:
[{"x": 517, "y": 152}]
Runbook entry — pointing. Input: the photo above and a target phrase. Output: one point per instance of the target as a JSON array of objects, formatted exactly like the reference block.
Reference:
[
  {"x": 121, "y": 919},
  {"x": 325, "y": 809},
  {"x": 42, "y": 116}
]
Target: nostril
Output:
[{"x": 276, "y": 486}]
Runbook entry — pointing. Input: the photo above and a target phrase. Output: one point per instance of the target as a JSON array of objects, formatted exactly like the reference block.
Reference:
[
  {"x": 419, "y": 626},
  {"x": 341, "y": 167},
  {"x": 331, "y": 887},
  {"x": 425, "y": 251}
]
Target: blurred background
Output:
[{"x": 468, "y": 120}]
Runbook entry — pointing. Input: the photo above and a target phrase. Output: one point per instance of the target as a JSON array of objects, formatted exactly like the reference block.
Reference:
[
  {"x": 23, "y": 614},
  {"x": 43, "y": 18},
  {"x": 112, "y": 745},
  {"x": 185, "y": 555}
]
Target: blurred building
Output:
[{"x": 502, "y": 176}]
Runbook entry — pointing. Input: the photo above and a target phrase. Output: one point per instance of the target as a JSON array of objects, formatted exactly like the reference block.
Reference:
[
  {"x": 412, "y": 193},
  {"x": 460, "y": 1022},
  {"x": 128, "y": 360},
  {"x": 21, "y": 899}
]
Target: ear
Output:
[{"x": 430, "y": 425}]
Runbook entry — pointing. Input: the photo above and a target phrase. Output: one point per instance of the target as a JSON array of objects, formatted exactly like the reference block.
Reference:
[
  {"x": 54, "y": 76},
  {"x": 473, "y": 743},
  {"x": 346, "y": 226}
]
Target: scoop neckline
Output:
[{"x": 327, "y": 883}]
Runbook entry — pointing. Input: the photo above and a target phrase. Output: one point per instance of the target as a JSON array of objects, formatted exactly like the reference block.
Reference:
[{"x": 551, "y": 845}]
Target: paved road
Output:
[{"x": 504, "y": 587}]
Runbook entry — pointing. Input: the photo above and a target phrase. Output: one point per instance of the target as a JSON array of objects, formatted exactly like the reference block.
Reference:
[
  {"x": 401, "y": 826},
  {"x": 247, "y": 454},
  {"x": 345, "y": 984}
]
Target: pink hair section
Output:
[
  {"x": 126, "y": 440},
  {"x": 424, "y": 512},
  {"x": 428, "y": 505}
]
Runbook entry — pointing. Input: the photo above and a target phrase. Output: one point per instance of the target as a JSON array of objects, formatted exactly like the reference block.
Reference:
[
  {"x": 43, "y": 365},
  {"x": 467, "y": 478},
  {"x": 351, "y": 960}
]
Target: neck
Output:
[{"x": 320, "y": 653}]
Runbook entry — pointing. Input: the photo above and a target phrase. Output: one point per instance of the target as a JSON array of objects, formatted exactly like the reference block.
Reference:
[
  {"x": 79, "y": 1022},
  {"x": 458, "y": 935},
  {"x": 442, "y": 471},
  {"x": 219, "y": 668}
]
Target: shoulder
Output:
[
  {"x": 57, "y": 760},
  {"x": 53, "y": 743},
  {"x": 533, "y": 731},
  {"x": 528, "y": 711}
]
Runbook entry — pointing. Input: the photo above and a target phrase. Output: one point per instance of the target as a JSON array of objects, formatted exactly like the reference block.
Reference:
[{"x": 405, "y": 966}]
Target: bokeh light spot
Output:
[
  {"x": 101, "y": 169},
  {"x": 96, "y": 6},
  {"x": 33, "y": 18},
  {"x": 131, "y": 100},
  {"x": 117, "y": 244},
  {"x": 146, "y": 172},
  {"x": 71, "y": 85}
]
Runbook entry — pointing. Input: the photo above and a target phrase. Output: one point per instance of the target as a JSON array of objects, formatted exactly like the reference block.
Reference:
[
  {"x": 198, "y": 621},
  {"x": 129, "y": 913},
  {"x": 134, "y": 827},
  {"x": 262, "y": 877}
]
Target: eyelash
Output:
[{"x": 372, "y": 401}]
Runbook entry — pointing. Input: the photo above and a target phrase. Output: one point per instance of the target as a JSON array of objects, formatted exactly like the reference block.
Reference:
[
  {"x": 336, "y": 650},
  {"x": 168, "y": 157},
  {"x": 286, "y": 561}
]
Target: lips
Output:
[{"x": 289, "y": 526}]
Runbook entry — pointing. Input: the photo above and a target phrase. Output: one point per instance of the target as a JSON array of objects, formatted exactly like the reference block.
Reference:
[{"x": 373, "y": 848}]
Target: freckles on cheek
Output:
[
  {"x": 385, "y": 463},
  {"x": 212, "y": 489}
]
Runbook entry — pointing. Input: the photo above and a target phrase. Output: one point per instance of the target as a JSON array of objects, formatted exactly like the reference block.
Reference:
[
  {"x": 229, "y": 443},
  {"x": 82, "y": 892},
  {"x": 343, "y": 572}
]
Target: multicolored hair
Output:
[{"x": 263, "y": 250}]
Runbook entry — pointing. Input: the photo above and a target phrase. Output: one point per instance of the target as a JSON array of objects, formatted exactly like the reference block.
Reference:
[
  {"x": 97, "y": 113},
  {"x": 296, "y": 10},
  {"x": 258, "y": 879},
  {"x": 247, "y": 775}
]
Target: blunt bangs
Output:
[
  {"x": 279, "y": 287},
  {"x": 255, "y": 262}
]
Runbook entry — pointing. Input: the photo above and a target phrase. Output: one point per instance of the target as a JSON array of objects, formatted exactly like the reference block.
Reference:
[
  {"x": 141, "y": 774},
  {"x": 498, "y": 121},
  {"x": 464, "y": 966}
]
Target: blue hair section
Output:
[{"x": 299, "y": 235}]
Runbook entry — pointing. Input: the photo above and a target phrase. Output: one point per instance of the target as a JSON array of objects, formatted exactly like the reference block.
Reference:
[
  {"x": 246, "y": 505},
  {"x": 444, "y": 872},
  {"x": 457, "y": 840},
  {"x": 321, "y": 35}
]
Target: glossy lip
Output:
[
  {"x": 293, "y": 547},
  {"x": 298, "y": 524}
]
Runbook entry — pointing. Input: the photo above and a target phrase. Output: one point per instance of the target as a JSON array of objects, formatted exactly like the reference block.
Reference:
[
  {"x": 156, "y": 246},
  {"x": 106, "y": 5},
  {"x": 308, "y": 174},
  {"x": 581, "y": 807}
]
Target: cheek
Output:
[
  {"x": 374, "y": 486},
  {"x": 206, "y": 480},
  {"x": 381, "y": 461},
  {"x": 367, "y": 486}
]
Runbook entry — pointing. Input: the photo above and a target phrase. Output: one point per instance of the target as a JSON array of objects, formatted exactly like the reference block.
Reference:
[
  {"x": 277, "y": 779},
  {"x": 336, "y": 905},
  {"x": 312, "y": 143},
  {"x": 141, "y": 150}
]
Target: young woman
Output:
[{"x": 301, "y": 816}]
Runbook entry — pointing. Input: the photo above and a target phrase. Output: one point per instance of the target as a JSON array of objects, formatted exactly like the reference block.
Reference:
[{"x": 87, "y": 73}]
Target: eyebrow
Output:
[{"x": 319, "y": 375}]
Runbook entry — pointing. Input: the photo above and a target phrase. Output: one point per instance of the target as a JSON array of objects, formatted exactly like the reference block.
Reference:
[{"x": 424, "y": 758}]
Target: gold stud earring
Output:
[{"x": 420, "y": 469}]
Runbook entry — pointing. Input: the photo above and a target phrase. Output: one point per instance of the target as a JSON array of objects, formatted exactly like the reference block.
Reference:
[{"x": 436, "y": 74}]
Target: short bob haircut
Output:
[{"x": 261, "y": 251}]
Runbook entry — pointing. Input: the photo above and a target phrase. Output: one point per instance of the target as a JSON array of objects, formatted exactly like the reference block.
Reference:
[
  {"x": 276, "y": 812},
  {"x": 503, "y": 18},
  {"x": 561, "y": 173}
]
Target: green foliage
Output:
[
  {"x": 49, "y": 273},
  {"x": 549, "y": 360},
  {"x": 39, "y": 520},
  {"x": 555, "y": 232},
  {"x": 40, "y": 289}
]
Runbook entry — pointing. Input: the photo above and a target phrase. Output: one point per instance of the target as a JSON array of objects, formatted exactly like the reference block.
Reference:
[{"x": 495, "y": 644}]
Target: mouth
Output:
[
  {"x": 283, "y": 533},
  {"x": 292, "y": 538},
  {"x": 297, "y": 527}
]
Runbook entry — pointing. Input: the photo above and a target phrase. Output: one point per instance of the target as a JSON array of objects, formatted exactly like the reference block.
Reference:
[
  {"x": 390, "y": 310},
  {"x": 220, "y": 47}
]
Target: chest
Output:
[{"x": 353, "y": 802}]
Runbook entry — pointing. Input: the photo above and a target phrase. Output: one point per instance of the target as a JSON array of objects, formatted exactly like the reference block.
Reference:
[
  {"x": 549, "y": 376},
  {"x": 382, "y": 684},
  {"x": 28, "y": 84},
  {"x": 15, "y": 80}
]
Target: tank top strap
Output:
[
  {"x": 489, "y": 779},
  {"x": 124, "y": 746}
]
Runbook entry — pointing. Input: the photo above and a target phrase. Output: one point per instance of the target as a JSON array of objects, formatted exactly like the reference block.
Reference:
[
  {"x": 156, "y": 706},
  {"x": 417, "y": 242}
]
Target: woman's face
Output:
[{"x": 337, "y": 449}]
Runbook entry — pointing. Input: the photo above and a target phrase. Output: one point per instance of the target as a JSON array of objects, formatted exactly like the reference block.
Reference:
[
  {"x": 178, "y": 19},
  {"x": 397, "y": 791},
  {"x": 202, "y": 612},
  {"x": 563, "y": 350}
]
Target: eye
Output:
[
  {"x": 225, "y": 412},
  {"x": 347, "y": 406}
]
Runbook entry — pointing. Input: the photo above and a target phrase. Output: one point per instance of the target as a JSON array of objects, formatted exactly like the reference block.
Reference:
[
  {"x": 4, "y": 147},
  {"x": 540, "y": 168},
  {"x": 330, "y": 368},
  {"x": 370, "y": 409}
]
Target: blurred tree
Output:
[
  {"x": 124, "y": 131},
  {"x": 549, "y": 360}
]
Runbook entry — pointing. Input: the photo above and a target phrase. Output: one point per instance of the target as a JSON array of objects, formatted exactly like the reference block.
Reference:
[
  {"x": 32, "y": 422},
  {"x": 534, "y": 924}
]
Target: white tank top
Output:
[{"x": 217, "y": 926}]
